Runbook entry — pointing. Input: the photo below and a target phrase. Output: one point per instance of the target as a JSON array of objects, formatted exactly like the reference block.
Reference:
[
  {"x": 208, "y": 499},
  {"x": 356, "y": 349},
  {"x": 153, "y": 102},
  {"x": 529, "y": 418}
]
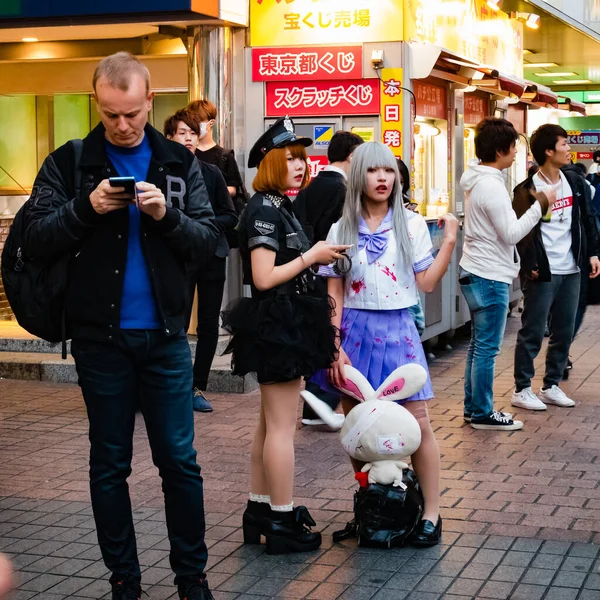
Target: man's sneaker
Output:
[
  {"x": 335, "y": 424},
  {"x": 468, "y": 419},
  {"x": 126, "y": 590},
  {"x": 194, "y": 590},
  {"x": 527, "y": 399},
  {"x": 201, "y": 404},
  {"x": 497, "y": 421},
  {"x": 554, "y": 395}
]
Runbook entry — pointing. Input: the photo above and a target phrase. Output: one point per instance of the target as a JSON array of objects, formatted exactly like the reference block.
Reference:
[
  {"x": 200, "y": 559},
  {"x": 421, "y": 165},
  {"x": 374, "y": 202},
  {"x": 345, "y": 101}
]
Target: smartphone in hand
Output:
[{"x": 125, "y": 182}]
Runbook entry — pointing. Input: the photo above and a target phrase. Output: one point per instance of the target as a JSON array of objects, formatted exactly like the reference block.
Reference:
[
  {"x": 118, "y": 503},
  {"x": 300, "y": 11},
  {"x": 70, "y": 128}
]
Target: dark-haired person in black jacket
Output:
[
  {"x": 559, "y": 250},
  {"x": 318, "y": 207},
  {"x": 184, "y": 127},
  {"x": 126, "y": 310}
]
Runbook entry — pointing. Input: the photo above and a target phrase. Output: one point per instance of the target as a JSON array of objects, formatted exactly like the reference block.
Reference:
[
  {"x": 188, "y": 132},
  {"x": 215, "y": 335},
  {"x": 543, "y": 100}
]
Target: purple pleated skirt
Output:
[{"x": 377, "y": 342}]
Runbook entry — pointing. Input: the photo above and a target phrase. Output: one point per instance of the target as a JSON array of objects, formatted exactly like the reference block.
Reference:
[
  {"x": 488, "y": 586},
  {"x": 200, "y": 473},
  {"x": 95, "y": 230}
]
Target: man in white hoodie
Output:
[{"x": 490, "y": 263}]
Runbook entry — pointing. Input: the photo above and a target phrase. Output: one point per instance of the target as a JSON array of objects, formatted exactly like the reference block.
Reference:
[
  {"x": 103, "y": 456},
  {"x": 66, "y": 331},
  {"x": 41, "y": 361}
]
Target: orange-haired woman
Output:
[{"x": 283, "y": 333}]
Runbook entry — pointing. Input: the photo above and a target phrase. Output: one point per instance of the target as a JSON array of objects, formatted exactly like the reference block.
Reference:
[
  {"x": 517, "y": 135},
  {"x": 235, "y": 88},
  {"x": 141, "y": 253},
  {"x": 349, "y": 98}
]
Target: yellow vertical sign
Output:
[{"x": 391, "y": 109}]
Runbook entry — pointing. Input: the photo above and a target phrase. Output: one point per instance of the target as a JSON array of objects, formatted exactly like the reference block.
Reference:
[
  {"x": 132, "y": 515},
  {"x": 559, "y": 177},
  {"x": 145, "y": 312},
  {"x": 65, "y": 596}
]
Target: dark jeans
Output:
[
  {"x": 211, "y": 282},
  {"x": 583, "y": 299},
  {"x": 158, "y": 369},
  {"x": 331, "y": 399},
  {"x": 558, "y": 299}
]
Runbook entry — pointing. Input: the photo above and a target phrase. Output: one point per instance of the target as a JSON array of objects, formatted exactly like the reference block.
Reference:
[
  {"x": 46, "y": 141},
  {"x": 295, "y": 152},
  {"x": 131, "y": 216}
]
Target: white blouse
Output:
[{"x": 384, "y": 284}]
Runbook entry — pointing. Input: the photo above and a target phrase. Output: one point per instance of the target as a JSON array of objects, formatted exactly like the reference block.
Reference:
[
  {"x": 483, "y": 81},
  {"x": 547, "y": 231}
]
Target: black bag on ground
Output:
[
  {"x": 384, "y": 515},
  {"x": 36, "y": 288}
]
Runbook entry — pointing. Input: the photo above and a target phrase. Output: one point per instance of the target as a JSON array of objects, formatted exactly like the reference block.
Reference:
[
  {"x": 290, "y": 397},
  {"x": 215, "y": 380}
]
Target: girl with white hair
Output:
[{"x": 391, "y": 258}]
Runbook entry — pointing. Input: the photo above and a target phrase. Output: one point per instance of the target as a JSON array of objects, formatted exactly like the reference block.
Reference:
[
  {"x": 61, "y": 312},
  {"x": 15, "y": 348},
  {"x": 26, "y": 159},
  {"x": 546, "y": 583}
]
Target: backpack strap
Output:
[{"x": 77, "y": 146}]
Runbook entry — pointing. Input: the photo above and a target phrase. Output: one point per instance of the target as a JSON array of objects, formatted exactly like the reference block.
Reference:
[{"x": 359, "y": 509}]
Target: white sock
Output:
[
  {"x": 285, "y": 508},
  {"x": 260, "y": 498}
]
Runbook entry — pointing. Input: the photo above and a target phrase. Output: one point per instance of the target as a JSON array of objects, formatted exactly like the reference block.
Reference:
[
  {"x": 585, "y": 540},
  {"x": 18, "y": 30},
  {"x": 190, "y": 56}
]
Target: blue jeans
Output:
[
  {"x": 488, "y": 306},
  {"x": 142, "y": 364}
]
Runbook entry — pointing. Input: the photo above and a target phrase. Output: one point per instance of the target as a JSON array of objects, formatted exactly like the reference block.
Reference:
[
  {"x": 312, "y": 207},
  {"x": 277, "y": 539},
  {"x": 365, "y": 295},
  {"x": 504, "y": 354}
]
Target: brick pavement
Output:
[{"x": 520, "y": 510}]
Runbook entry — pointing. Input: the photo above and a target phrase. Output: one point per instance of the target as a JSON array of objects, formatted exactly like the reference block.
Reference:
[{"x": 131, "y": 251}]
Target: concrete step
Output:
[
  {"x": 28, "y": 343},
  {"x": 49, "y": 366}
]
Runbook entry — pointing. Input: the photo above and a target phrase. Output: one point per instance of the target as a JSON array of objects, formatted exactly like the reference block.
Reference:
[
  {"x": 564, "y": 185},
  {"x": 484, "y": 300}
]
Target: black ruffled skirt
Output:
[{"x": 280, "y": 337}]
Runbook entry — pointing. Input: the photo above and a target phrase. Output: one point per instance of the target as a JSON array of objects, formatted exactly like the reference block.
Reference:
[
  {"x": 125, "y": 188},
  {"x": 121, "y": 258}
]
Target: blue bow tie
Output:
[{"x": 374, "y": 243}]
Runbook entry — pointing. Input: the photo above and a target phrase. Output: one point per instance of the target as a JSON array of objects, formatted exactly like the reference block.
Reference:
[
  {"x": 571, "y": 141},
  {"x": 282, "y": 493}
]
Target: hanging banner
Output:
[
  {"x": 300, "y": 22},
  {"x": 353, "y": 97},
  {"x": 431, "y": 100},
  {"x": 476, "y": 109},
  {"x": 391, "y": 109},
  {"x": 303, "y": 64}
]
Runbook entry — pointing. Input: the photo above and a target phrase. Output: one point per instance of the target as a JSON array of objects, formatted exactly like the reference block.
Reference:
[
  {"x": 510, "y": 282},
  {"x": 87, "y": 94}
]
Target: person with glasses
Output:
[
  {"x": 282, "y": 333},
  {"x": 391, "y": 260}
]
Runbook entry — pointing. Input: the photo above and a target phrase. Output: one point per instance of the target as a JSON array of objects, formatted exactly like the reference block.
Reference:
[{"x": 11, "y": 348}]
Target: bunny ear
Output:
[
  {"x": 322, "y": 409},
  {"x": 402, "y": 383},
  {"x": 356, "y": 385}
]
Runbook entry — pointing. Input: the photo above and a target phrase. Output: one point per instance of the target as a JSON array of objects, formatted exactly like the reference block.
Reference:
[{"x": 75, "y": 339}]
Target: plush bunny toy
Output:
[{"x": 378, "y": 431}]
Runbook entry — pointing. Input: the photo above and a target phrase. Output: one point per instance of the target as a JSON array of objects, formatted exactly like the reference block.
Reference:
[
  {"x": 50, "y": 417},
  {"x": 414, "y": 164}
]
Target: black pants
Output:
[
  {"x": 157, "y": 369},
  {"x": 558, "y": 299},
  {"x": 210, "y": 281}
]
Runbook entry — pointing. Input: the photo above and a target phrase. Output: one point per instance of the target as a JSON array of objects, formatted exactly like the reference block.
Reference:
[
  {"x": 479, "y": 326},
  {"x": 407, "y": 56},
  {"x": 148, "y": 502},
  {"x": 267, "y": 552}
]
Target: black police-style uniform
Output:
[{"x": 285, "y": 332}]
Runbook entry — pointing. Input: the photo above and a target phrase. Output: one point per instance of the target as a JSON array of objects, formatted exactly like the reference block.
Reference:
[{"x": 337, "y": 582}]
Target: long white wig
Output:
[{"x": 368, "y": 156}]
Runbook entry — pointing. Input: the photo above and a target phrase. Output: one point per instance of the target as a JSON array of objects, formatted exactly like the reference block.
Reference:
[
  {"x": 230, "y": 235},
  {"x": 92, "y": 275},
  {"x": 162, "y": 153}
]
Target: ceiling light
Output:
[
  {"x": 29, "y": 39},
  {"x": 565, "y": 74},
  {"x": 525, "y": 51},
  {"x": 573, "y": 82},
  {"x": 494, "y": 4},
  {"x": 531, "y": 20},
  {"x": 539, "y": 65}
]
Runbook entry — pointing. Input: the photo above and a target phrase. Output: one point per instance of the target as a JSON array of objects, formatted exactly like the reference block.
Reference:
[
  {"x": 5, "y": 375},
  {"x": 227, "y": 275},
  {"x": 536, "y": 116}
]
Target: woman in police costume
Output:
[{"x": 283, "y": 333}]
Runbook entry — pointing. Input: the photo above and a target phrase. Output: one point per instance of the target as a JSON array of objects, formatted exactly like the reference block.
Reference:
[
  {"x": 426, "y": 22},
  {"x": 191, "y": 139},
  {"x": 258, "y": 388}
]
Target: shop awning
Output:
[
  {"x": 539, "y": 95},
  {"x": 499, "y": 83},
  {"x": 572, "y": 106},
  {"x": 430, "y": 60}
]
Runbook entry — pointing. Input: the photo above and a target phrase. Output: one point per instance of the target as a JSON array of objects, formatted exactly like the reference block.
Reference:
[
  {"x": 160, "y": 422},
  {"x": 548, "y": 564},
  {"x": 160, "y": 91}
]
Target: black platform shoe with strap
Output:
[
  {"x": 254, "y": 521},
  {"x": 427, "y": 534},
  {"x": 290, "y": 532}
]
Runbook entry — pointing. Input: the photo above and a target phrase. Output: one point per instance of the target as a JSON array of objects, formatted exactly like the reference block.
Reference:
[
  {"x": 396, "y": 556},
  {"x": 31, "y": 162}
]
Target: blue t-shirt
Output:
[{"x": 138, "y": 307}]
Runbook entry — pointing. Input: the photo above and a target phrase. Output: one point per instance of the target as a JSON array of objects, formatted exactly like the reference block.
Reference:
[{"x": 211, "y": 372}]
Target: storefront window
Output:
[
  {"x": 166, "y": 105},
  {"x": 18, "y": 146},
  {"x": 71, "y": 117}
]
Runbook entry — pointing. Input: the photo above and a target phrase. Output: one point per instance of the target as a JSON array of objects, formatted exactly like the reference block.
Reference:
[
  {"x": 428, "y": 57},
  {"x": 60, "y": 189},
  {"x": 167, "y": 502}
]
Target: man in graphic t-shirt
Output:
[{"x": 553, "y": 257}]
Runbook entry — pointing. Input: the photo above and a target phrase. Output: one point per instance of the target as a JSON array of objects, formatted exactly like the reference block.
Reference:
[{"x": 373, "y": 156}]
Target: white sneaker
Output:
[
  {"x": 335, "y": 423},
  {"x": 554, "y": 395},
  {"x": 527, "y": 399}
]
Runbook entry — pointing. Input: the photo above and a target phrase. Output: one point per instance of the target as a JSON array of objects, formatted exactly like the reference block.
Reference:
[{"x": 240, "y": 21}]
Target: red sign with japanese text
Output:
[
  {"x": 475, "y": 109},
  {"x": 351, "y": 97},
  {"x": 302, "y": 64},
  {"x": 431, "y": 100},
  {"x": 585, "y": 156},
  {"x": 315, "y": 165}
]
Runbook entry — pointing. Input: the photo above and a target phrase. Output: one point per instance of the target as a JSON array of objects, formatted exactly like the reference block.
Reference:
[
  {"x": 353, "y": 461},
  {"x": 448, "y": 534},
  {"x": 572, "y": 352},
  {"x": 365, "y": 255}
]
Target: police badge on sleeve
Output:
[{"x": 264, "y": 227}]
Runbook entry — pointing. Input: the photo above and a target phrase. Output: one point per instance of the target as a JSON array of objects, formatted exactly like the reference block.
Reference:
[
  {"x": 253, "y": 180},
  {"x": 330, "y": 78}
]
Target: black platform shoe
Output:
[
  {"x": 254, "y": 521},
  {"x": 290, "y": 532},
  {"x": 427, "y": 534}
]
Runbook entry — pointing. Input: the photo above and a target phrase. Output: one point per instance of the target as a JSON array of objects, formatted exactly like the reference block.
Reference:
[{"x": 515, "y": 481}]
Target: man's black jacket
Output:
[
  {"x": 584, "y": 234},
  {"x": 320, "y": 205},
  {"x": 222, "y": 204},
  {"x": 60, "y": 223}
]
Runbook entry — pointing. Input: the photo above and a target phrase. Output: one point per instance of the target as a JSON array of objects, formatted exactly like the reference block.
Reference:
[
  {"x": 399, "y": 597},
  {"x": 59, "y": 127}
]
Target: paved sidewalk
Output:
[{"x": 520, "y": 510}]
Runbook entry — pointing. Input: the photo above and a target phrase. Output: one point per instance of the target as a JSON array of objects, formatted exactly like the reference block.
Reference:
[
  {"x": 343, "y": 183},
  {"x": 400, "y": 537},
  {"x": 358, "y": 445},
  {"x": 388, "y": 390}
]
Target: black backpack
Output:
[
  {"x": 36, "y": 288},
  {"x": 384, "y": 515}
]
